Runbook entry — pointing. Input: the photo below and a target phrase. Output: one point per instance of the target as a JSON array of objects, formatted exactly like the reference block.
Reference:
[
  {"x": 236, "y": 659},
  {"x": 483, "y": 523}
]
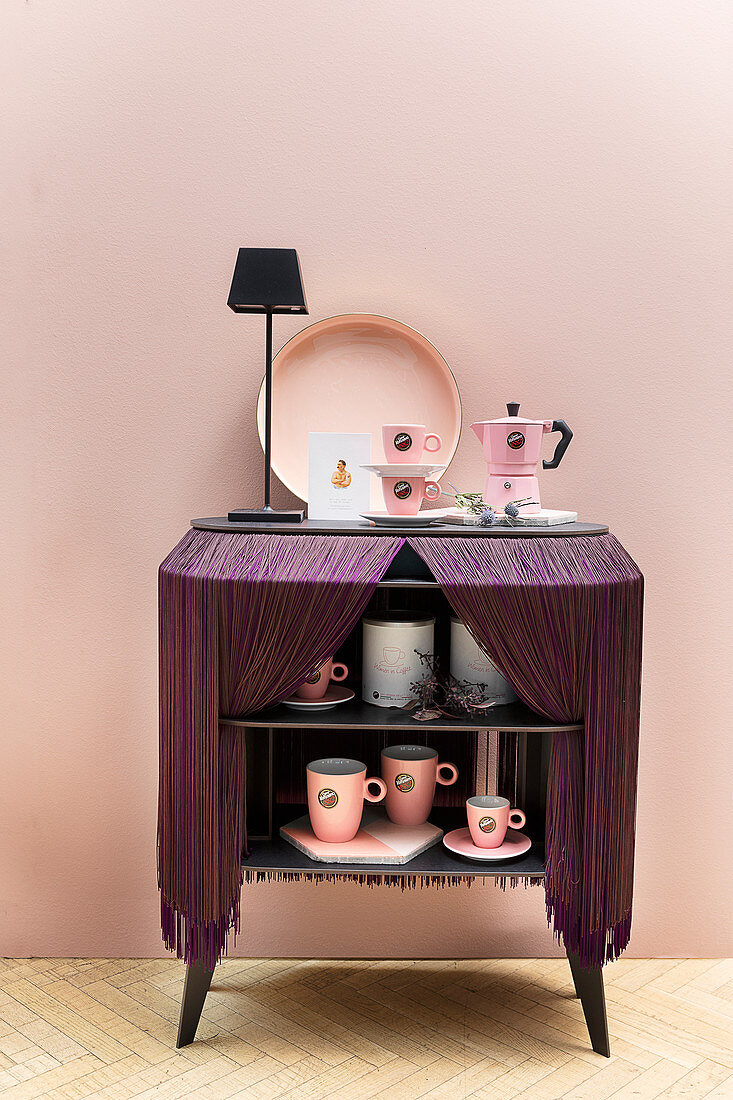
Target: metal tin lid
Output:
[{"x": 397, "y": 618}]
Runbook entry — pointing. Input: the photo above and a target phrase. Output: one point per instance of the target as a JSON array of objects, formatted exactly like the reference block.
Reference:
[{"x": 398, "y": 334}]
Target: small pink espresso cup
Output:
[
  {"x": 404, "y": 495},
  {"x": 337, "y": 788},
  {"x": 315, "y": 686},
  {"x": 406, "y": 442},
  {"x": 489, "y": 815},
  {"x": 411, "y": 772}
]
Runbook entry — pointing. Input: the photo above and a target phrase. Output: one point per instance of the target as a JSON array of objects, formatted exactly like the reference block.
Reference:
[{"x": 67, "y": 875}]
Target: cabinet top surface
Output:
[{"x": 364, "y": 527}]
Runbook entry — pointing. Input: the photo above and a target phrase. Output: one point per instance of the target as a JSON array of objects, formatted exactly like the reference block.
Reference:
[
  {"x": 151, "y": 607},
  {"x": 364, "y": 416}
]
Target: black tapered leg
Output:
[
  {"x": 589, "y": 988},
  {"x": 195, "y": 988}
]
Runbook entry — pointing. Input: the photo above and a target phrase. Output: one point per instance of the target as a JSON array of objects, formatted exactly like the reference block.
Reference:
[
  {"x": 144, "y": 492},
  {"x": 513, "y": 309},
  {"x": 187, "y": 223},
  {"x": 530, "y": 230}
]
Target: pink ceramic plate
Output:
[
  {"x": 515, "y": 844},
  {"x": 354, "y": 373}
]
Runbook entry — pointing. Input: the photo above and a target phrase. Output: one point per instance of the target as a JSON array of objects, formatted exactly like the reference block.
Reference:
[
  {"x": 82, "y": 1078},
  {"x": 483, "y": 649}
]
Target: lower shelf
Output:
[{"x": 276, "y": 856}]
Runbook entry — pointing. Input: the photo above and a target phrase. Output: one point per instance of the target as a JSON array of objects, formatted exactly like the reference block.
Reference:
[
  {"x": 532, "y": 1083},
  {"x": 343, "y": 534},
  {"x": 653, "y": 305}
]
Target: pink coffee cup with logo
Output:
[
  {"x": 337, "y": 788},
  {"x": 404, "y": 495},
  {"x": 315, "y": 686},
  {"x": 489, "y": 816},
  {"x": 406, "y": 442},
  {"x": 411, "y": 772}
]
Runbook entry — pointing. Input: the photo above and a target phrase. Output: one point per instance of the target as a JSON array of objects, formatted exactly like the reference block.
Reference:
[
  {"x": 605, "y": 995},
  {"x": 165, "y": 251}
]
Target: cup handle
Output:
[
  {"x": 451, "y": 778},
  {"x": 382, "y": 789},
  {"x": 432, "y": 490},
  {"x": 517, "y": 824},
  {"x": 438, "y": 442},
  {"x": 339, "y": 675},
  {"x": 402, "y": 655}
]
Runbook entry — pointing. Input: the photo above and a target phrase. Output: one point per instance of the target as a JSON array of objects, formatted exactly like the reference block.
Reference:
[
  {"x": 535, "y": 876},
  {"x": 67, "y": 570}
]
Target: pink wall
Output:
[{"x": 543, "y": 190}]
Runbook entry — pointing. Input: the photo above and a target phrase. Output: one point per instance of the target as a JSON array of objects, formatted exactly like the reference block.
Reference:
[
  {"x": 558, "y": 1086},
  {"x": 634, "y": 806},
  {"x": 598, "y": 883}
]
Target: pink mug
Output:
[
  {"x": 317, "y": 683},
  {"x": 489, "y": 815},
  {"x": 337, "y": 788},
  {"x": 406, "y": 442},
  {"x": 411, "y": 772},
  {"x": 404, "y": 495}
]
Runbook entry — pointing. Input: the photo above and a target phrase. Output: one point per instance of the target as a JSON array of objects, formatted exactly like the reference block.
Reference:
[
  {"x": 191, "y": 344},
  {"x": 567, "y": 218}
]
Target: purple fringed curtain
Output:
[
  {"x": 243, "y": 620},
  {"x": 562, "y": 618}
]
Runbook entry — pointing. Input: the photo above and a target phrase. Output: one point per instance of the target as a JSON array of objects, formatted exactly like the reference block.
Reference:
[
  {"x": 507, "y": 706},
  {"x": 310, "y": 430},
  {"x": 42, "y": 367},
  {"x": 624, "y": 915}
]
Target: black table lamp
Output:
[{"x": 267, "y": 280}]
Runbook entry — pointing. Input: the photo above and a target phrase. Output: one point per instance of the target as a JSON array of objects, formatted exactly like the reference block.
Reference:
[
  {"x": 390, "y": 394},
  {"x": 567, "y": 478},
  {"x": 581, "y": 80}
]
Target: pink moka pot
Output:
[{"x": 512, "y": 448}]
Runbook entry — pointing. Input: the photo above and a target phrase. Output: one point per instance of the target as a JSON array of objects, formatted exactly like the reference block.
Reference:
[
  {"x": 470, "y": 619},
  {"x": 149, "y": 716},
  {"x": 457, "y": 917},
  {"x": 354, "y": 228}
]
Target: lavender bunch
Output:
[{"x": 440, "y": 694}]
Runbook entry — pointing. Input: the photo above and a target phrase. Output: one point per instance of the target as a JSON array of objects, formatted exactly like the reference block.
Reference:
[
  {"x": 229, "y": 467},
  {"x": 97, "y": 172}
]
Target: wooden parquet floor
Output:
[{"x": 352, "y": 1030}]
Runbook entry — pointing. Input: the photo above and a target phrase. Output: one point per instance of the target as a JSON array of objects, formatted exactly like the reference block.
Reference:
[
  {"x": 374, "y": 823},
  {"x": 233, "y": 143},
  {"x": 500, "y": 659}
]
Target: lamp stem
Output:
[{"x": 268, "y": 405}]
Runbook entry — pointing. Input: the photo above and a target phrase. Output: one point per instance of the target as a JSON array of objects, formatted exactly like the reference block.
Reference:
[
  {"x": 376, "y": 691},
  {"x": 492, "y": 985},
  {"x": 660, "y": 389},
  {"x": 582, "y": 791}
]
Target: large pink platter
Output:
[{"x": 353, "y": 373}]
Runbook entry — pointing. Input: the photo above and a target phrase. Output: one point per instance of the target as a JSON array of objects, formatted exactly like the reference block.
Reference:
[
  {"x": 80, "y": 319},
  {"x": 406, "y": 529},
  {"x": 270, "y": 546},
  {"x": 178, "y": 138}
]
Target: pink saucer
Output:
[{"x": 515, "y": 844}]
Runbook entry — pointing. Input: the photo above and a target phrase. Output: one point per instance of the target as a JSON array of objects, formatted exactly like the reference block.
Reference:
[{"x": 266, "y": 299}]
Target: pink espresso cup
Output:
[
  {"x": 406, "y": 442},
  {"x": 489, "y": 815},
  {"x": 317, "y": 683},
  {"x": 404, "y": 495},
  {"x": 411, "y": 772},
  {"x": 337, "y": 788}
]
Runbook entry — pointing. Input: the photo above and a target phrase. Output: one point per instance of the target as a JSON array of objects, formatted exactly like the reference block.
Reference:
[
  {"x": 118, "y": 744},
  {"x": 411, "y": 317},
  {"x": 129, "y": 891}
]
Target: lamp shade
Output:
[{"x": 267, "y": 280}]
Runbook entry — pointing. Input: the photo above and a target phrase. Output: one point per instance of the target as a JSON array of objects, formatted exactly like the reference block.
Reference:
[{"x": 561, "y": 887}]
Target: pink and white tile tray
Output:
[{"x": 378, "y": 841}]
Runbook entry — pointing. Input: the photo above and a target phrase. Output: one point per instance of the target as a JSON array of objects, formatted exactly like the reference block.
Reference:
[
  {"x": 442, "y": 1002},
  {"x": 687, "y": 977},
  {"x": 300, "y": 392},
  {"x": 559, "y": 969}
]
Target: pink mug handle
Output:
[
  {"x": 382, "y": 789},
  {"x": 451, "y": 778},
  {"x": 432, "y": 490},
  {"x": 517, "y": 824},
  {"x": 336, "y": 675},
  {"x": 438, "y": 442}
]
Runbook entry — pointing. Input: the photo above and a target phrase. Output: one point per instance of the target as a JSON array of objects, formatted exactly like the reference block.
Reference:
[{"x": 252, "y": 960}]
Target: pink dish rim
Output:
[{"x": 301, "y": 335}]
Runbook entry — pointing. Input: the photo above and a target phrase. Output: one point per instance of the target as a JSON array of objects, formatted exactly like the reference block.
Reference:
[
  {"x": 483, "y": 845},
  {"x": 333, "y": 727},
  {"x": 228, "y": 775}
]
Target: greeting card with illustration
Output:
[{"x": 338, "y": 488}]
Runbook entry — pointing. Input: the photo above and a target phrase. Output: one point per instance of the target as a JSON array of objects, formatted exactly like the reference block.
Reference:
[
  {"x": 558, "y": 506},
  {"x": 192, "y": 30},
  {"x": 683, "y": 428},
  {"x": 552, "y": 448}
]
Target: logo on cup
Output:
[
  {"x": 402, "y": 441},
  {"x": 404, "y": 782},
  {"x": 486, "y": 824},
  {"x": 515, "y": 440},
  {"x": 327, "y": 798},
  {"x": 314, "y": 677},
  {"x": 402, "y": 490}
]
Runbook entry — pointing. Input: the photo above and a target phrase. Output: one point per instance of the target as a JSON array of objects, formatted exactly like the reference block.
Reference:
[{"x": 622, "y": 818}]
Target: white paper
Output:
[{"x": 337, "y": 486}]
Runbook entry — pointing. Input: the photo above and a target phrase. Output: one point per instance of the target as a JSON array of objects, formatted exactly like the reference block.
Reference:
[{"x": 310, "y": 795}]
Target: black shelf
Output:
[
  {"x": 277, "y": 855},
  {"x": 514, "y": 718},
  {"x": 365, "y": 527}
]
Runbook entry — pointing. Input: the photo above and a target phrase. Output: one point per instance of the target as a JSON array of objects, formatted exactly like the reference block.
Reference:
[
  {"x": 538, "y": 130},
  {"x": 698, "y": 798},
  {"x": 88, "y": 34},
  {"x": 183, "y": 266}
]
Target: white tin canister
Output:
[
  {"x": 469, "y": 662},
  {"x": 390, "y": 663}
]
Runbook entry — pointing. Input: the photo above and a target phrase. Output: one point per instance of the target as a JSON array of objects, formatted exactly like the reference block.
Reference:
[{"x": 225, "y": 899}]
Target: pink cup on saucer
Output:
[
  {"x": 404, "y": 495},
  {"x": 406, "y": 442},
  {"x": 337, "y": 788},
  {"x": 317, "y": 683},
  {"x": 489, "y": 816}
]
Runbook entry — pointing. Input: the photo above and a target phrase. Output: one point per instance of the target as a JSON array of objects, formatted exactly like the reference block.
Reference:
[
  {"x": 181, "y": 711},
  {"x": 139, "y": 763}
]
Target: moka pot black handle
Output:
[{"x": 562, "y": 444}]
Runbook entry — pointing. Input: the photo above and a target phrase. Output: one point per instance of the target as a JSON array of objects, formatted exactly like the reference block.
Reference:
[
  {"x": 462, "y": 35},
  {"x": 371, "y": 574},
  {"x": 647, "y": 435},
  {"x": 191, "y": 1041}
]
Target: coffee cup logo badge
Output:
[
  {"x": 402, "y": 441},
  {"x": 487, "y": 824},
  {"x": 314, "y": 677},
  {"x": 402, "y": 490},
  {"x": 515, "y": 440},
  {"x": 404, "y": 782},
  {"x": 327, "y": 798}
]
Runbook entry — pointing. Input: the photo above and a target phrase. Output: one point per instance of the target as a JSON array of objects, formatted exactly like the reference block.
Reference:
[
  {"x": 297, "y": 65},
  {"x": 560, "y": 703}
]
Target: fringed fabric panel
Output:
[
  {"x": 562, "y": 619},
  {"x": 243, "y": 621}
]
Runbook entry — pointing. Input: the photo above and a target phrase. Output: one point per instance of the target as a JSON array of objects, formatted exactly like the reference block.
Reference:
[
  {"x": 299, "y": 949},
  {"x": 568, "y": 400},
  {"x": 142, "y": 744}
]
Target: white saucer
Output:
[
  {"x": 515, "y": 844},
  {"x": 335, "y": 694},
  {"x": 404, "y": 469},
  {"x": 422, "y": 519}
]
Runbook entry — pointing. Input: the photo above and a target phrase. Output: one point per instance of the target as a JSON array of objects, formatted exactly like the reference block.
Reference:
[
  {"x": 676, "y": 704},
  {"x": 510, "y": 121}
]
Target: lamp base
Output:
[{"x": 264, "y": 515}]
